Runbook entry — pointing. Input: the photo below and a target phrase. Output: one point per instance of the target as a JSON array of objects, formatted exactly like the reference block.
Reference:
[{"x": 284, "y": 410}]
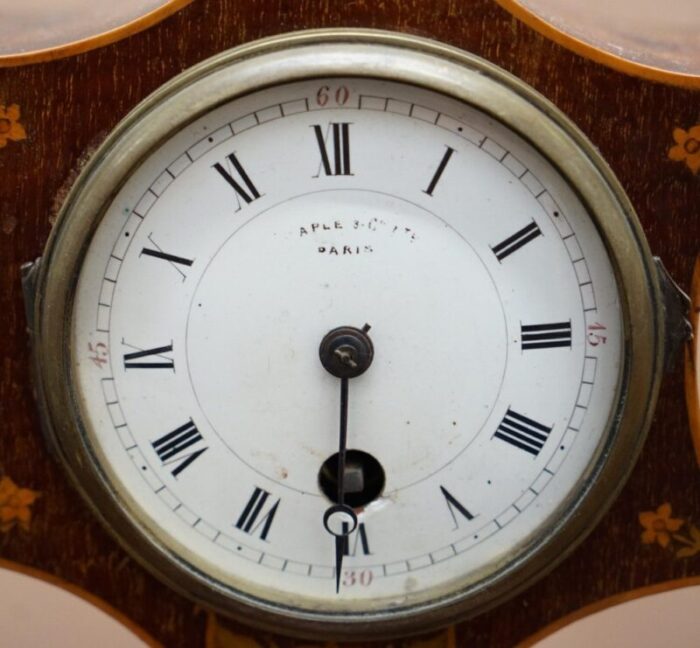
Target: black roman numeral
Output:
[
  {"x": 522, "y": 432},
  {"x": 159, "y": 254},
  {"x": 360, "y": 539},
  {"x": 149, "y": 358},
  {"x": 545, "y": 336},
  {"x": 516, "y": 241},
  {"x": 454, "y": 505},
  {"x": 248, "y": 193},
  {"x": 340, "y": 148},
  {"x": 172, "y": 448},
  {"x": 252, "y": 519},
  {"x": 438, "y": 172},
  {"x": 174, "y": 260}
]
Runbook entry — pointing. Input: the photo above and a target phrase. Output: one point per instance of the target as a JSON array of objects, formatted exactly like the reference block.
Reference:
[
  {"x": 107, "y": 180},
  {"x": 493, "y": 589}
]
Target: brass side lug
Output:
[
  {"x": 676, "y": 305},
  {"x": 30, "y": 274}
]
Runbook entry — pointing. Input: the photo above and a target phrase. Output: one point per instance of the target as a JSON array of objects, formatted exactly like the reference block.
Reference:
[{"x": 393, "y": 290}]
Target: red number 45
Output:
[
  {"x": 597, "y": 334},
  {"x": 99, "y": 353}
]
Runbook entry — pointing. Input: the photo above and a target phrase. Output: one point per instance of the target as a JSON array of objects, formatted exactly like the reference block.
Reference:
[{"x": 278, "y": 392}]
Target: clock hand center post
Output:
[{"x": 345, "y": 352}]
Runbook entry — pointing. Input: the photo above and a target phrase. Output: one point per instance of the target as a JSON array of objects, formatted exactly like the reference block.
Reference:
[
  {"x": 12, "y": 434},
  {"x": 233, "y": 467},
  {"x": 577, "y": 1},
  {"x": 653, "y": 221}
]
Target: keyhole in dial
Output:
[{"x": 364, "y": 478}]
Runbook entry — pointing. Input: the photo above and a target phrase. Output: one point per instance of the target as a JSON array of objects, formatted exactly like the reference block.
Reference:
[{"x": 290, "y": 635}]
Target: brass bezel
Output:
[{"x": 375, "y": 54}]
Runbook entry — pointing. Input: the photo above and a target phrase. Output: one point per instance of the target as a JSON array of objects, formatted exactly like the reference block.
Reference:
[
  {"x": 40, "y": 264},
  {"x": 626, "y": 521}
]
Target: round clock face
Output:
[
  {"x": 440, "y": 239},
  {"x": 241, "y": 242}
]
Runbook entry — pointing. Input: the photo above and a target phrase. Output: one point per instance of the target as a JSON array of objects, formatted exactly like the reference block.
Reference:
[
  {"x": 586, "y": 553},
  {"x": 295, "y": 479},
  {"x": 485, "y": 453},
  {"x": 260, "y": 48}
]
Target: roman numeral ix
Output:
[
  {"x": 238, "y": 179},
  {"x": 545, "y": 336},
  {"x": 516, "y": 241},
  {"x": 522, "y": 432},
  {"x": 252, "y": 517},
  {"x": 339, "y": 146},
  {"x": 175, "y": 448}
]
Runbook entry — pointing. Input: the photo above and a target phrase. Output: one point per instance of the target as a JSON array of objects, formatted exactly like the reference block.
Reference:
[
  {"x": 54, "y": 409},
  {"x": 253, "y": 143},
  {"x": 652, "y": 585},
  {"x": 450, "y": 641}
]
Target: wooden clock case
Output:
[{"x": 66, "y": 106}]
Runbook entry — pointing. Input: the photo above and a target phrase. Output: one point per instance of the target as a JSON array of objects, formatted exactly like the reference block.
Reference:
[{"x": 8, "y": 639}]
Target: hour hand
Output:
[{"x": 340, "y": 521}]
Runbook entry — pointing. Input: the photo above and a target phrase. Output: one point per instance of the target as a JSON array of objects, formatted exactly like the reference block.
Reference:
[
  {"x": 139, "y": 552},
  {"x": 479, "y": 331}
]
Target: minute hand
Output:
[
  {"x": 342, "y": 450},
  {"x": 345, "y": 352},
  {"x": 341, "y": 540}
]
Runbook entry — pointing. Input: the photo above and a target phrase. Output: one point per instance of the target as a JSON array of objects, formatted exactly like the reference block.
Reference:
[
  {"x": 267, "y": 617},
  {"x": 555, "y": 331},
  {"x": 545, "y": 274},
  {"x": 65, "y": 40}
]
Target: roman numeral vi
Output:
[{"x": 360, "y": 539}]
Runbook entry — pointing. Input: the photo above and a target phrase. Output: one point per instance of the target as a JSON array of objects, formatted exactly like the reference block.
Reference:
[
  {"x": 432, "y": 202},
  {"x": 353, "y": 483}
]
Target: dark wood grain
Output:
[{"x": 68, "y": 105}]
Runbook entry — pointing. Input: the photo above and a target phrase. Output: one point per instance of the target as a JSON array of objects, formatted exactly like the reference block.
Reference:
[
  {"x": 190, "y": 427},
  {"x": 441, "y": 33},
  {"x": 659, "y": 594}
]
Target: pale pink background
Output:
[
  {"x": 662, "y": 34},
  {"x": 30, "y": 25},
  {"x": 660, "y": 620},
  {"x": 34, "y": 613}
]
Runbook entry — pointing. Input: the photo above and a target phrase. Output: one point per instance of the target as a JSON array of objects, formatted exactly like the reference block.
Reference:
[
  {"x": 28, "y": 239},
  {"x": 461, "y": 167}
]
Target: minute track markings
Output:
[
  {"x": 309, "y": 109},
  {"x": 477, "y": 537}
]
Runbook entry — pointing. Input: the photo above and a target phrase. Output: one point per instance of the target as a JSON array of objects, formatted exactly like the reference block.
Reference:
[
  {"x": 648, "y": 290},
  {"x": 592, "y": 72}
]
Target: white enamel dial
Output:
[{"x": 248, "y": 235}]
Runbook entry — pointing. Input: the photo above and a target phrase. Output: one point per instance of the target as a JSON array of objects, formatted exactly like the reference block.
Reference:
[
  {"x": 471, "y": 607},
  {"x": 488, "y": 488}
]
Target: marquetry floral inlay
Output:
[
  {"x": 662, "y": 529},
  {"x": 10, "y": 128},
  {"x": 15, "y": 505},
  {"x": 687, "y": 148}
]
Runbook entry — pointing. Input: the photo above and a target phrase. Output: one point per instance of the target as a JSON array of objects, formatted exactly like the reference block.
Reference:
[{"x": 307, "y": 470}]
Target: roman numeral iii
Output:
[
  {"x": 522, "y": 432},
  {"x": 176, "y": 448},
  {"x": 238, "y": 179},
  {"x": 513, "y": 243},
  {"x": 335, "y": 154},
  {"x": 545, "y": 336},
  {"x": 252, "y": 518}
]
